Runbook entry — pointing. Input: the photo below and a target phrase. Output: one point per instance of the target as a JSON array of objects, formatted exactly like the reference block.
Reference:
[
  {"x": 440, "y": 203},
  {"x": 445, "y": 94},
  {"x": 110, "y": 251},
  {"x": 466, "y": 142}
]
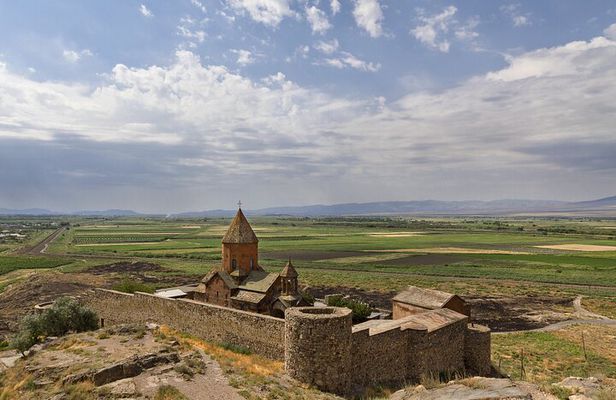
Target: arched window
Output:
[
  {"x": 252, "y": 263},
  {"x": 234, "y": 263}
]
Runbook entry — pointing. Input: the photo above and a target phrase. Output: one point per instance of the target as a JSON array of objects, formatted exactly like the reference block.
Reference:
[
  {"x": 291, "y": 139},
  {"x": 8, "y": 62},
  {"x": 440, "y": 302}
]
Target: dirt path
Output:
[
  {"x": 583, "y": 317},
  {"x": 41, "y": 247}
]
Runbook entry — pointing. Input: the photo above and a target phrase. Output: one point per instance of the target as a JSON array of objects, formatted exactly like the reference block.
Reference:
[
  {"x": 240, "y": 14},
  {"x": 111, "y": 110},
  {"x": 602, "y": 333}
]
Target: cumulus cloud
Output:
[
  {"x": 369, "y": 16},
  {"x": 73, "y": 56},
  {"x": 610, "y": 31},
  {"x": 430, "y": 30},
  {"x": 335, "y": 6},
  {"x": 515, "y": 14},
  {"x": 267, "y": 12},
  {"x": 244, "y": 57},
  {"x": 552, "y": 62},
  {"x": 537, "y": 125},
  {"x": 438, "y": 30},
  {"x": 317, "y": 19},
  {"x": 146, "y": 12}
]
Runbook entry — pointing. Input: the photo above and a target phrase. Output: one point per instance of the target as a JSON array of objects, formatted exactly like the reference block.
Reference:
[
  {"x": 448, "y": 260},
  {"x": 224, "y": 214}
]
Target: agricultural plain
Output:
[{"x": 520, "y": 274}]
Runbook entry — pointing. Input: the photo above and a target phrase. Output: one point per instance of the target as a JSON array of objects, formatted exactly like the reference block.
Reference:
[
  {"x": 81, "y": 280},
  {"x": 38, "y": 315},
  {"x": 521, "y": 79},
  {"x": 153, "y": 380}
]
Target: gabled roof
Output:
[
  {"x": 436, "y": 319},
  {"x": 259, "y": 281},
  {"x": 425, "y": 298},
  {"x": 289, "y": 271},
  {"x": 240, "y": 230},
  {"x": 223, "y": 275},
  {"x": 249, "y": 297}
]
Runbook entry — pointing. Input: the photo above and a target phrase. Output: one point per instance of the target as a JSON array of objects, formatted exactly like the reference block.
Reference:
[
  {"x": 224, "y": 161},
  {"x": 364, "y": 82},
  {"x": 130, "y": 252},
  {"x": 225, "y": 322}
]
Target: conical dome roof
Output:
[
  {"x": 240, "y": 230},
  {"x": 289, "y": 271}
]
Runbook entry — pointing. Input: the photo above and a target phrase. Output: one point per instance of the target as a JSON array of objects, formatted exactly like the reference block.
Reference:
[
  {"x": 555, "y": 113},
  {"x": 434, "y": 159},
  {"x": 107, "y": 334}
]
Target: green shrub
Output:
[
  {"x": 235, "y": 348},
  {"x": 361, "y": 311},
  {"x": 66, "y": 315},
  {"x": 129, "y": 286}
]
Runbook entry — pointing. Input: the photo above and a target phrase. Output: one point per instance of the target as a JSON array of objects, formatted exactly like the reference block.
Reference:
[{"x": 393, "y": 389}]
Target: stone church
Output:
[{"x": 242, "y": 283}]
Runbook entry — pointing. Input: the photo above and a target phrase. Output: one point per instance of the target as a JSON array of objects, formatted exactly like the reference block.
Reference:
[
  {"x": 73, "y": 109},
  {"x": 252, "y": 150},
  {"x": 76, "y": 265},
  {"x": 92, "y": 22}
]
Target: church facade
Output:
[{"x": 240, "y": 282}]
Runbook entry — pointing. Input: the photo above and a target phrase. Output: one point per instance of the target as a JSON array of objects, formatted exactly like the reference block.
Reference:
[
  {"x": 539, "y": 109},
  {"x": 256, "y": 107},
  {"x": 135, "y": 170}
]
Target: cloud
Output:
[
  {"x": 189, "y": 30},
  {"x": 267, "y": 12},
  {"x": 199, "y": 5},
  {"x": 536, "y": 127},
  {"x": 551, "y": 62},
  {"x": 348, "y": 60},
  {"x": 73, "y": 56},
  {"x": 244, "y": 57},
  {"x": 317, "y": 20},
  {"x": 335, "y": 6},
  {"x": 514, "y": 13},
  {"x": 327, "y": 47},
  {"x": 145, "y": 11},
  {"x": 433, "y": 27},
  {"x": 369, "y": 16},
  {"x": 610, "y": 32}
]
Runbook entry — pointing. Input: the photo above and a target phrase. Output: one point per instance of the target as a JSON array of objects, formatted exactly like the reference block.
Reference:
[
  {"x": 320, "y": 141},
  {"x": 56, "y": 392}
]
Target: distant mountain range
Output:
[{"x": 601, "y": 207}]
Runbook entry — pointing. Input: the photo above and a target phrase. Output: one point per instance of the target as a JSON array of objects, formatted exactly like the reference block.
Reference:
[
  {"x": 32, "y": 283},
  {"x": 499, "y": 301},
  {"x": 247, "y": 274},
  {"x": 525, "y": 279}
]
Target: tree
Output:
[{"x": 66, "y": 315}]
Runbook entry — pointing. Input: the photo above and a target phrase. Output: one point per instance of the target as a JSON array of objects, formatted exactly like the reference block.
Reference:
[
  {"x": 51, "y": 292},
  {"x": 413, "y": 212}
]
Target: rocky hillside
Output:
[{"x": 151, "y": 362}]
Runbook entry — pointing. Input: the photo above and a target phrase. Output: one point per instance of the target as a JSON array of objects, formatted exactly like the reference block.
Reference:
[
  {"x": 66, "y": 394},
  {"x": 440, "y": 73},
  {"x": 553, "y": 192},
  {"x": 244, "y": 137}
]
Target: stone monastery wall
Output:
[
  {"x": 262, "y": 334},
  {"x": 319, "y": 345}
]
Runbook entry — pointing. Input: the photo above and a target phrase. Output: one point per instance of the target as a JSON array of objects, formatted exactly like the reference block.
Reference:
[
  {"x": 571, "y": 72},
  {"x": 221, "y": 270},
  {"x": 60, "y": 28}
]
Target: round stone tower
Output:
[{"x": 318, "y": 347}]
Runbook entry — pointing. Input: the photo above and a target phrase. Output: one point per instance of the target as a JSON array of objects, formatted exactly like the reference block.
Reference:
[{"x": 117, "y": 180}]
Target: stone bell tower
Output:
[
  {"x": 240, "y": 248},
  {"x": 289, "y": 279}
]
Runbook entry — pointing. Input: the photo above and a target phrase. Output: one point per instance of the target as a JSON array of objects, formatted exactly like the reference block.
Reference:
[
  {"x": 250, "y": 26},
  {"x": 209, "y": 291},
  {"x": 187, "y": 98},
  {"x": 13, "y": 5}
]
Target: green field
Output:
[
  {"x": 464, "y": 248},
  {"x": 468, "y": 256},
  {"x": 12, "y": 263}
]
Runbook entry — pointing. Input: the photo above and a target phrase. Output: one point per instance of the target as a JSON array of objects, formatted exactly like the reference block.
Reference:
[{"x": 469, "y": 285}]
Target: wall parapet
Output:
[{"x": 261, "y": 334}]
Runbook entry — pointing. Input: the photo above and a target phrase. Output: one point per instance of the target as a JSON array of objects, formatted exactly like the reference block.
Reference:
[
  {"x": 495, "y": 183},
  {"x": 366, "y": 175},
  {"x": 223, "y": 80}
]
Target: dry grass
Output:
[
  {"x": 598, "y": 339},
  {"x": 249, "y": 363},
  {"x": 450, "y": 250},
  {"x": 15, "y": 384},
  {"x": 578, "y": 247},
  {"x": 167, "y": 392}
]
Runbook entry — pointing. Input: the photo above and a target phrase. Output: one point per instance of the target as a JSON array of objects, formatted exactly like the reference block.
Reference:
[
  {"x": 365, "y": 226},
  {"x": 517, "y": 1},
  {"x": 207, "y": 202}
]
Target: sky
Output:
[{"x": 168, "y": 106}]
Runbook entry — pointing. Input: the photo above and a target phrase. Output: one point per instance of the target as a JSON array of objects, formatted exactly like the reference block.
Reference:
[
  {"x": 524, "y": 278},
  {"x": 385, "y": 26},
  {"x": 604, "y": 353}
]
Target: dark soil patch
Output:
[
  {"x": 420, "y": 259},
  {"x": 311, "y": 255},
  {"x": 501, "y": 314},
  {"x": 506, "y": 314},
  {"x": 19, "y": 299},
  {"x": 126, "y": 267}
]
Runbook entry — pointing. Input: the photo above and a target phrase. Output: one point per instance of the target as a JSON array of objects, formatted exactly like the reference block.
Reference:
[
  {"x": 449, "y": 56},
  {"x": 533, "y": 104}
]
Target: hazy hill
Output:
[{"x": 605, "y": 206}]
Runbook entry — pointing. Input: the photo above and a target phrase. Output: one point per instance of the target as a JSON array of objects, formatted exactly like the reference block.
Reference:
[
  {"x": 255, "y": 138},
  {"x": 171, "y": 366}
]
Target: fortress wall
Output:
[
  {"x": 379, "y": 359},
  {"x": 399, "y": 355},
  {"x": 261, "y": 334},
  {"x": 445, "y": 349},
  {"x": 477, "y": 351},
  {"x": 318, "y": 347}
]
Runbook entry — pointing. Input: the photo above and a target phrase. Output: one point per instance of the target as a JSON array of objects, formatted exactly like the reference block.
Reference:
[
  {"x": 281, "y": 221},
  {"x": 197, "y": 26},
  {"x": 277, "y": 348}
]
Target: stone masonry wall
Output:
[
  {"x": 445, "y": 349},
  {"x": 478, "y": 350},
  {"x": 318, "y": 347},
  {"x": 397, "y": 355},
  {"x": 262, "y": 334},
  {"x": 379, "y": 359}
]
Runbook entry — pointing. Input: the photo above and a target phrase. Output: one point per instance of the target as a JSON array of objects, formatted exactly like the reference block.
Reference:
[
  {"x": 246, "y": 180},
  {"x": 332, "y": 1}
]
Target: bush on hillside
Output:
[{"x": 66, "y": 315}]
